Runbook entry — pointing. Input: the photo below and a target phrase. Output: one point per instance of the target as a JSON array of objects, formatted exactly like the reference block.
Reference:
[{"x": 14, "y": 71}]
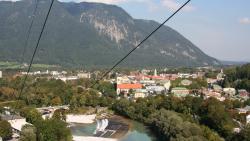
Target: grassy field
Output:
[{"x": 15, "y": 65}]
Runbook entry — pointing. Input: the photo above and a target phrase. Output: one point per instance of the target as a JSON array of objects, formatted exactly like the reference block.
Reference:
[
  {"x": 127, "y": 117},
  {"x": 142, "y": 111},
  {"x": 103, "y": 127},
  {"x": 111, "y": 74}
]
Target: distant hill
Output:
[
  {"x": 230, "y": 63},
  {"x": 92, "y": 35}
]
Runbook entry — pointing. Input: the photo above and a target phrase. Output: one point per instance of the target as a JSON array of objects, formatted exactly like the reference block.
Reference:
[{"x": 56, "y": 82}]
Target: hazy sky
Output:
[{"x": 221, "y": 28}]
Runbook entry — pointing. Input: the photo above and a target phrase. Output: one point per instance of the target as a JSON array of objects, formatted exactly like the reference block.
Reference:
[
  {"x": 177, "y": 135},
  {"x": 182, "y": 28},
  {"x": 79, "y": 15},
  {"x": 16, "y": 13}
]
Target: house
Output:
[
  {"x": 83, "y": 75},
  {"x": 166, "y": 84},
  {"x": 194, "y": 76},
  {"x": 236, "y": 130},
  {"x": 123, "y": 80},
  {"x": 243, "y": 94},
  {"x": 184, "y": 75},
  {"x": 248, "y": 119},
  {"x": 200, "y": 74},
  {"x": 243, "y": 110},
  {"x": 64, "y": 72},
  {"x": 220, "y": 76},
  {"x": 156, "y": 89},
  {"x": 145, "y": 72},
  {"x": 229, "y": 91},
  {"x": 180, "y": 91},
  {"x": 171, "y": 76},
  {"x": 68, "y": 78},
  {"x": 147, "y": 82},
  {"x": 152, "y": 77},
  {"x": 54, "y": 73},
  {"x": 1, "y": 74},
  {"x": 217, "y": 88},
  {"x": 212, "y": 93},
  {"x": 126, "y": 87},
  {"x": 16, "y": 122},
  {"x": 140, "y": 93}
]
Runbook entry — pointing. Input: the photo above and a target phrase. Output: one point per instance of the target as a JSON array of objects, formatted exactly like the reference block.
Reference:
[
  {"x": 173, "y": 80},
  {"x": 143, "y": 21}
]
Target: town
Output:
[{"x": 201, "y": 82}]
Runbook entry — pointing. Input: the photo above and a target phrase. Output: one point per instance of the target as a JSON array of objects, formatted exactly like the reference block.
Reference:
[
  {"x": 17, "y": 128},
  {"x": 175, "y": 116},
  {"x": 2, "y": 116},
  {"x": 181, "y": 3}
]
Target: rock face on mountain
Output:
[{"x": 92, "y": 35}]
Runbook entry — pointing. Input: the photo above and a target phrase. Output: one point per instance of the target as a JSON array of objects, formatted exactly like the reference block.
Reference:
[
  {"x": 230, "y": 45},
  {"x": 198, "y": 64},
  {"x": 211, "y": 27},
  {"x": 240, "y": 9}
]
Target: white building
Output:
[
  {"x": 84, "y": 75},
  {"x": 16, "y": 122},
  {"x": 123, "y": 80},
  {"x": 54, "y": 73},
  {"x": 229, "y": 91},
  {"x": 244, "y": 110},
  {"x": 140, "y": 93},
  {"x": 156, "y": 89},
  {"x": 166, "y": 84},
  {"x": 184, "y": 75},
  {"x": 248, "y": 119},
  {"x": 180, "y": 91},
  {"x": 147, "y": 82},
  {"x": 1, "y": 74},
  {"x": 69, "y": 78}
]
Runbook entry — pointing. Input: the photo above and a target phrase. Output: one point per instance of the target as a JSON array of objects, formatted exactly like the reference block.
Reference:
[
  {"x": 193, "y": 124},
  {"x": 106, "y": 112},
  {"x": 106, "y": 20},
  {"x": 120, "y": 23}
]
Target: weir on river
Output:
[
  {"x": 101, "y": 125},
  {"x": 101, "y": 128},
  {"x": 118, "y": 128}
]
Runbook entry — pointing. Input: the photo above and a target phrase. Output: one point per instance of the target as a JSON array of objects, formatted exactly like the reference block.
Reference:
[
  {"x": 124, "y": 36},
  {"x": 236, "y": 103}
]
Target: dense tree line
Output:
[
  {"x": 50, "y": 92},
  {"x": 238, "y": 77},
  {"x": 244, "y": 135},
  {"x": 192, "y": 111},
  {"x": 5, "y": 129},
  {"x": 170, "y": 126},
  {"x": 154, "y": 111}
]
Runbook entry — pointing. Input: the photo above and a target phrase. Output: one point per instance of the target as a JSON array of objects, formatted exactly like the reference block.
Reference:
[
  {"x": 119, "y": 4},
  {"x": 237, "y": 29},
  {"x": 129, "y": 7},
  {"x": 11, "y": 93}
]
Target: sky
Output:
[{"x": 220, "y": 28}]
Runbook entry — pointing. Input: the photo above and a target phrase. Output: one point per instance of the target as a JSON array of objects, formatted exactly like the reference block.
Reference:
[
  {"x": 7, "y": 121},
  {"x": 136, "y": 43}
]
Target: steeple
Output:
[{"x": 155, "y": 72}]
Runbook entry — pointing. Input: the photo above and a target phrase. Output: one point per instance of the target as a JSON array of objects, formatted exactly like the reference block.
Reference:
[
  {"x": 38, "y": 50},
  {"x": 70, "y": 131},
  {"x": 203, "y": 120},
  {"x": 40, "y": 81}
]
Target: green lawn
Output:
[{"x": 15, "y": 65}]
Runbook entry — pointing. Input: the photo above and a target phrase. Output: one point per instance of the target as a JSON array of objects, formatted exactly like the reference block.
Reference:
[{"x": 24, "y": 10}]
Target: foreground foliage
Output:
[
  {"x": 54, "y": 129},
  {"x": 5, "y": 129}
]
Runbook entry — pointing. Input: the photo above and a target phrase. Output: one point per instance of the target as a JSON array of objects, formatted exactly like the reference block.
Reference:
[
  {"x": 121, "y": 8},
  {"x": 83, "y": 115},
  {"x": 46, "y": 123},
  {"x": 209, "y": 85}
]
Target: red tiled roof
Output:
[
  {"x": 154, "y": 77},
  {"x": 129, "y": 86}
]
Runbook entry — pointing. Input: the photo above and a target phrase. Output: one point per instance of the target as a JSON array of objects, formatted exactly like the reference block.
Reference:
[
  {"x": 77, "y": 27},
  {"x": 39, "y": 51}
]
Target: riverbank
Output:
[
  {"x": 84, "y": 119},
  {"x": 120, "y": 124},
  {"x": 86, "y": 138}
]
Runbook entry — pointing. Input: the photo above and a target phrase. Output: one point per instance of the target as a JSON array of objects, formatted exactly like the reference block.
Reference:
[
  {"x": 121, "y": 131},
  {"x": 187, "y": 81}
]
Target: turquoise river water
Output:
[{"x": 137, "y": 132}]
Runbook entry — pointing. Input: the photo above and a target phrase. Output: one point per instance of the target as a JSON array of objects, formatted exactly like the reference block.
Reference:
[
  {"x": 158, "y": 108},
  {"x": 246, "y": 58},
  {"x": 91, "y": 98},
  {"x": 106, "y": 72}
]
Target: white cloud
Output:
[
  {"x": 244, "y": 20},
  {"x": 174, "y": 5}
]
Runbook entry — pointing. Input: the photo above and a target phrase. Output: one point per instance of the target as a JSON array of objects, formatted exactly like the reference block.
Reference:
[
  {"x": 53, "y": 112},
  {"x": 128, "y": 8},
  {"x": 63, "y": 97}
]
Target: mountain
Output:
[
  {"x": 91, "y": 35},
  {"x": 233, "y": 63}
]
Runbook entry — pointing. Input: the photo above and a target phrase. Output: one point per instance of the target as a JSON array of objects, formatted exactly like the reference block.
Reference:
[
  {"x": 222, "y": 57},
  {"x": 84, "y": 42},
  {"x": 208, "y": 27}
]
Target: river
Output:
[{"x": 136, "y": 132}]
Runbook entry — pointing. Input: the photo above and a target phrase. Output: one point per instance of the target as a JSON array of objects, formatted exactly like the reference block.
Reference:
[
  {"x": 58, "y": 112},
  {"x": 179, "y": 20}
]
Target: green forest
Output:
[{"x": 238, "y": 77}]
